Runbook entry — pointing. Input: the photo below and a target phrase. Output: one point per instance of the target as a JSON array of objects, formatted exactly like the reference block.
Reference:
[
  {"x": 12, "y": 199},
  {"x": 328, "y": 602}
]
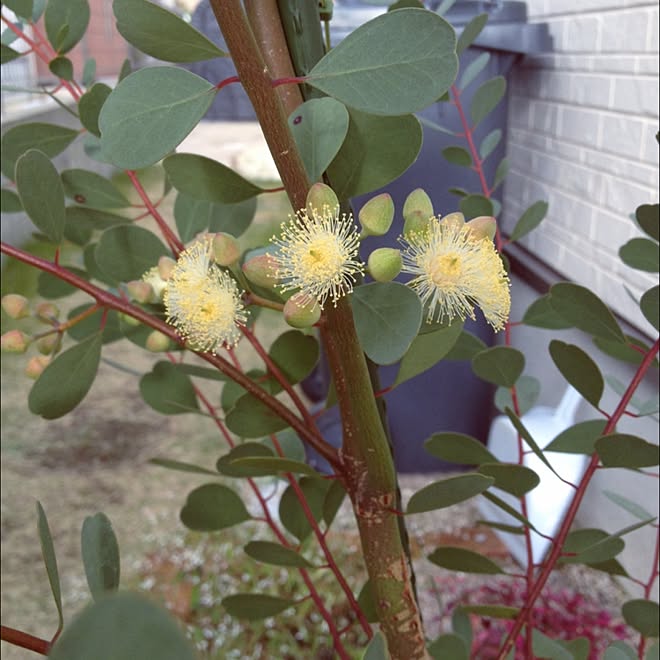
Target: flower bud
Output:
[
  {"x": 46, "y": 345},
  {"x": 14, "y": 341},
  {"x": 384, "y": 264},
  {"x": 226, "y": 249},
  {"x": 416, "y": 222},
  {"x": 418, "y": 202},
  {"x": 157, "y": 342},
  {"x": 301, "y": 312},
  {"x": 484, "y": 226},
  {"x": 36, "y": 365},
  {"x": 15, "y": 306},
  {"x": 154, "y": 279},
  {"x": 165, "y": 267},
  {"x": 260, "y": 270},
  {"x": 47, "y": 312},
  {"x": 320, "y": 195},
  {"x": 128, "y": 320},
  {"x": 376, "y": 215},
  {"x": 141, "y": 291},
  {"x": 456, "y": 220}
]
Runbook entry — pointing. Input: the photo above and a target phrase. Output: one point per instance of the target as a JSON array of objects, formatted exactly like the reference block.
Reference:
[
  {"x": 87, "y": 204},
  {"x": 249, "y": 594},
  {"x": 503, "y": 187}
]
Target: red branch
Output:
[{"x": 24, "y": 640}]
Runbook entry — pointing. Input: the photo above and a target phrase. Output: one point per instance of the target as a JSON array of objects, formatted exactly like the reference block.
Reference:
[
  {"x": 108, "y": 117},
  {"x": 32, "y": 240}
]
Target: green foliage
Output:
[
  {"x": 66, "y": 22},
  {"x": 50, "y": 560},
  {"x": 500, "y": 365},
  {"x": 623, "y": 450},
  {"x": 460, "y": 559},
  {"x": 449, "y": 645},
  {"x": 515, "y": 479},
  {"x": 579, "y": 370},
  {"x": 643, "y": 616},
  {"x": 255, "y": 606},
  {"x": 93, "y": 190},
  {"x": 168, "y": 391},
  {"x": 486, "y": 98},
  {"x": 579, "y": 438},
  {"x": 212, "y": 507},
  {"x": 275, "y": 554},
  {"x": 441, "y": 494},
  {"x": 293, "y": 515},
  {"x": 377, "y": 648},
  {"x": 529, "y": 220},
  {"x": 458, "y": 448},
  {"x": 89, "y": 107},
  {"x": 100, "y": 553}
]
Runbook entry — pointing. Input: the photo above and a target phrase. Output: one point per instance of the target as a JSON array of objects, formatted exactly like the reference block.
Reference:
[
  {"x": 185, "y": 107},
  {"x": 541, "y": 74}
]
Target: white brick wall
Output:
[{"x": 582, "y": 124}]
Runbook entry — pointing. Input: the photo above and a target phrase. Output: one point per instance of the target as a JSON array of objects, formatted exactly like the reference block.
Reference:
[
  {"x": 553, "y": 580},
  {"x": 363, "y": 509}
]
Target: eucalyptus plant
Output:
[{"x": 340, "y": 122}]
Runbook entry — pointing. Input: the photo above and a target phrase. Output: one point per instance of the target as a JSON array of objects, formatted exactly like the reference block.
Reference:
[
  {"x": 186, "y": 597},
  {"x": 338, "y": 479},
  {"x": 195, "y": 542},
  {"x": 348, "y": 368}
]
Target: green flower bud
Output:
[
  {"x": 47, "y": 312},
  {"x": 15, "y": 306},
  {"x": 416, "y": 222},
  {"x": 226, "y": 249},
  {"x": 485, "y": 226},
  {"x": 376, "y": 215},
  {"x": 301, "y": 312},
  {"x": 129, "y": 320},
  {"x": 320, "y": 195},
  {"x": 418, "y": 202},
  {"x": 46, "y": 345},
  {"x": 157, "y": 342},
  {"x": 260, "y": 270},
  {"x": 141, "y": 291},
  {"x": 14, "y": 341},
  {"x": 384, "y": 264},
  {"x": 165, "y": 267},
  {"x": 36, "y": 365},
  {"x": 456, "y": 220}
]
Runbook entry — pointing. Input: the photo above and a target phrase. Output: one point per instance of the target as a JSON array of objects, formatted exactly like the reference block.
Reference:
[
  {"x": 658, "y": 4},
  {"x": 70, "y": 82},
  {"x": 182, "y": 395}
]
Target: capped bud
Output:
[
  {"x": 376, "y": 215},
  {"x": 456, "y": 220},
  {"x": 14, "y": 341},
  {"x": 157, "y": 342},
  {"x": 154, "y": 279},
  {"x": 15, "y": 306},
  {"x": 165, "y": 267},
  {"x": 260, "y": 270},
  {"x": 484, "y": 226},
  {"x": 128, "y": 320},
  {"x": 384, "y": 264},
  {"x": 226, "y": 249},
  {"x": 416, "y": 222},
  {"x": 417, "y": 202},
  {"x": 320, "y": 195},
  {"x": 46, "y": 345},
  {"x": 301, "y": 312},
  {"x": 36, "y": 365},
  {"x": 46, "y": 311},
  {"x": 141, "y": 291}
]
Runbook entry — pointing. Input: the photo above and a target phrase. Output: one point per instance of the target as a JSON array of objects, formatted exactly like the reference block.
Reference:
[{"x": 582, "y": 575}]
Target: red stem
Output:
[
  {"x": 227, "y": 81},
  {"x": 24, "y": 640}
]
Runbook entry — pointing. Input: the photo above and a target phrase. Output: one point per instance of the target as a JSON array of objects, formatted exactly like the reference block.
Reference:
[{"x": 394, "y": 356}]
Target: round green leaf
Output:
[
  {"x": 653, "y": 652},
  {"x": 10, "y": 202},
  {"x": 367, "y": 602},
  {"x": 489, "y": 143},
  {"x": 579, "y": 370},
  {"x": 465, "y": 348},
  {"x": 162, "y": 34},
  {"x": 253, "y": 607},
  {"x": 648, "y": 218},
  {"x": 373, "y": 69},
  {"x": 127, "y": 252},
  {"x": 643, "y": 616},
  {"x": 22, "y": 8},
  {"x": 289, "y": 443},
  {"x": 449, "y": 645},
  {"x": 542, "y": 314},
  {"x": 212, "y": 507},
  {"x": 249, "y": 418},
  {"x": 501, "y": 365},
  {"x": 8, "y": 54},
  {"x": 66, "y": 22},
  {"x": 441, "y": 494},
  {"x": 427, "y": 350},
  {"x": 387, "y": 318},
  {"x": 629, "y": 451},
  {"x": 579, "y": 438},
  {"x": 275, "y": 554},
  {"x": 66, "y": 380},
  {"x": 641, "y": 254},
  {"x": 460, "y": 559},
  {"x": 528, "y": 389},
  {"x": 226, "y": 464},
  {"x": 590, "y": 546},
  {"x": 91, "y": 189},
  {"x": 457, "y": 156},
  {"x": 123, "y": 625},
  {"x": 206, "y": 179},
  {"x": 375, "y": 152},
  {"x": 62, "y": 67},
  {"x": 291, "y": 512},
  {"x": 47, "y": 138},
  {"x": 625, "y": 352},
  {"x": 296, "y": 354},
  {"x": 149, "y": 113},
  {"x": 42, "y": 196},
  {"x": 619, "y": 651},
  {"x": 89, "y": 107},
  {"x": 650, "y": 306},
  {"x": 486, "y": 98},
  {"x": 377, "y": 648},
  {"x": 319, "y": 127},
  {"x": 100, "y": 554},
  {"x": 52, "y": 287},
  {"x": 545, "y": 647},
  {"x": 458, "y": 448},
  {"x": 529, "y": 220},
  {"x": 473, "y": 206},
  {"x": 168, "y": 390},
  {"x": 514, "y": 479},
  {"x": 585, "y": 311}
]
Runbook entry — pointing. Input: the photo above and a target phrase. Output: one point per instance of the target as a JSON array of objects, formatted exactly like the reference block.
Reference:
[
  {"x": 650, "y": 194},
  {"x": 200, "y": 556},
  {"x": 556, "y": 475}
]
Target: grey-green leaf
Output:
[
  {"x": 149, "y": 113},
  {"x": 471, "y": 31},
  {"x": 89, "y": 107},
  {"x": 377, "y": 648},
  {"x": 319, "y": 127},
  {"x": 93, "y": 190},
  {"x": 65, "y": 382},
  {"x": 42, "y": 195},
  {"x": 542, "y": 314},
  {"x": 50, "y": 560},
  {"x": 457, "y": 156},
  {"x": 100, "y": 554},
  {"x": 162, "y": 34},
  {"x": 579, "y": 370},
  {"x": 458, "y": 448},
  {"x": 212, "y": 507},
  {"x": 528, "y": 389},
  {"x": 473, "y": 69},
  {"x": 643, "y": 616},
  {"x": 249, "y": 418},
  {"x": 501, "y": 365},
  {"x": 489, "y": 143},
  {"x": 529, "y": 220},
  {"x": 579, "y": 438},
  {"x": 628, "y": 451},
  {"x": 275, "y": 554},
  {"x": 648, "y": 218},
  {"x": 374, "y": 70},
  {"x": 387, "y": 318},
  {"x": 66, "y": 22},
  {"x": 486, "y": 98},
  {"x": 650, "y": 306},
  {"x": 253, "y": 607},
  {"x": 515, "y": 479},
  {"x": 441, "y": 494},
  {"x": 168, "y": 390},
  {"x": 461, "y": 559},
  {"x": 641, "y": 254}
]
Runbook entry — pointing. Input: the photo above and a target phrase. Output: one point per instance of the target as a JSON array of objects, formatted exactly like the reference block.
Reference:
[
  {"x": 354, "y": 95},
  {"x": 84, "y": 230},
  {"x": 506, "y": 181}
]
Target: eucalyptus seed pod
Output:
[
  {"x": 301, "y": 312},
  {"x": 376, "y": 215},
  {"x": 384, "y": 264},
  {"x": 320, "y": 195}
]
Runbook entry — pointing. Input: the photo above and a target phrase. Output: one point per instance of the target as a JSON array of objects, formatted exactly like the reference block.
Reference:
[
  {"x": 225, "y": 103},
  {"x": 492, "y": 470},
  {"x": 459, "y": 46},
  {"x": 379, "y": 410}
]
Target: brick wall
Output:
[{"x": 582, "y": 124}]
